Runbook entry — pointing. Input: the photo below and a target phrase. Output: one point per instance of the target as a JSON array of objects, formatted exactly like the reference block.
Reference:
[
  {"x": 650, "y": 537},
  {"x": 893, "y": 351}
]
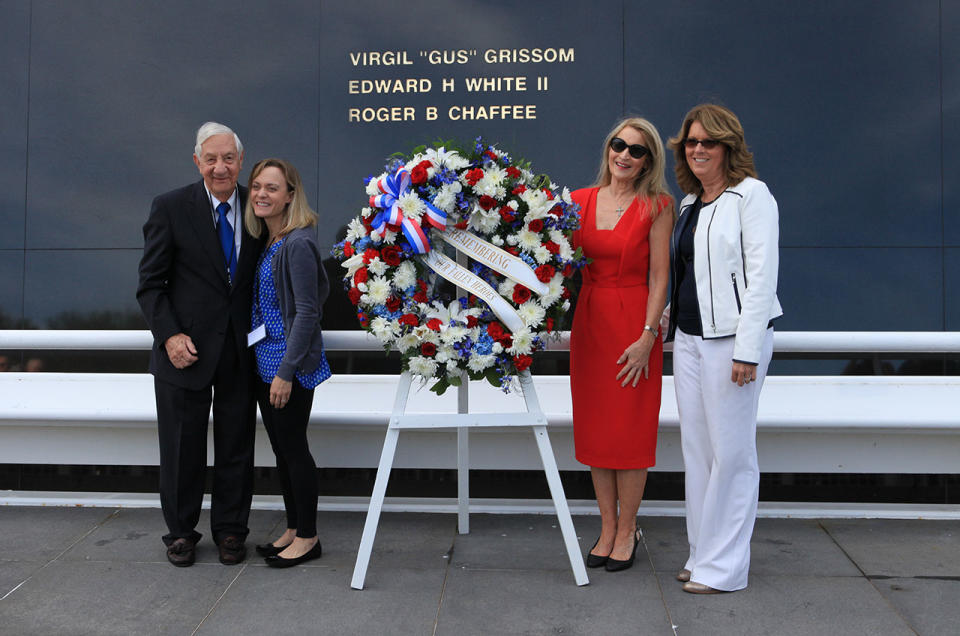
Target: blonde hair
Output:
[
  {"x": 298, "y": 213},
  {"x": 721, "y": 124},
  {"x": 650, "y": 183}
]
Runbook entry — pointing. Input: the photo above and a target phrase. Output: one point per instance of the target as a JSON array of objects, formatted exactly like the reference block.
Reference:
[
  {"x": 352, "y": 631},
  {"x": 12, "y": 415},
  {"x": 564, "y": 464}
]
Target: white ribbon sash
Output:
[
  {"x": 495, "y": 258},
  {"x": 465, "y": 279}
]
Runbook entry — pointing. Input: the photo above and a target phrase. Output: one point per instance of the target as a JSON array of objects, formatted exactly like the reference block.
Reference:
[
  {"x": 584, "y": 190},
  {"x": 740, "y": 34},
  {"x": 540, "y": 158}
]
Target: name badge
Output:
[{"x": 256, "y": 335}]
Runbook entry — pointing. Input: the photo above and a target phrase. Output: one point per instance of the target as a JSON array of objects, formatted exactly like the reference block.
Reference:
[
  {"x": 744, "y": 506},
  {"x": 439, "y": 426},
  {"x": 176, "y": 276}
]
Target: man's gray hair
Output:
[{"x": 210, "y": 129}]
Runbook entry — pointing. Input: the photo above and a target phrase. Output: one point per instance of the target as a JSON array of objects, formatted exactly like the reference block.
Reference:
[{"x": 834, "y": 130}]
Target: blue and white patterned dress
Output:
[{"x": 266, "y": 310}]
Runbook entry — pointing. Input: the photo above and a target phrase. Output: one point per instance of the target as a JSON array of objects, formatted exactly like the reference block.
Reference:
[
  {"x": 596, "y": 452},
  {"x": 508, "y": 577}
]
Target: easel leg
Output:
[
  {"x": 376, "y": 505},
  {"x": 560, "y": 503},
  {"x": 463, "y": 480}
]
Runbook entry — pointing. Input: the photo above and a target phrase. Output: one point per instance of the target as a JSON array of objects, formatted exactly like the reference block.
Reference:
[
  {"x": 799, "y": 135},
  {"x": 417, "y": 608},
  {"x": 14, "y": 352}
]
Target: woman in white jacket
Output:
[{"x": 724, "y": 262}]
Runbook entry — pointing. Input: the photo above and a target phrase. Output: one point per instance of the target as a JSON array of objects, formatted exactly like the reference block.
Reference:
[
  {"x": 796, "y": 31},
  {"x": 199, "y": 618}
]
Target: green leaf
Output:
[
  {"x": 454, "y": 381},
  {"x": 441, "y": 386},
  {"x": 492, "y": 377}
]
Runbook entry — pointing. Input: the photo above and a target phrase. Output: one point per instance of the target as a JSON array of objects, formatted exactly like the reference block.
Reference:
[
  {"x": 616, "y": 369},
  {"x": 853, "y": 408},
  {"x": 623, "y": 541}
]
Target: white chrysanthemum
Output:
[
  {"x": 512, "y": 239},
  {"x": 453, "y": 333},
  {"x": 497, "y": 240},
  {"x": 522, "y": 342},
  {"x": 355, "y": 230},
  {"x": 352, "y": 264},
  {"x": 367, "y": 212},
  {"x": 446, "y": 196},
  {"x": 405, "y": 276},
  {"x": 378, "y": 290},
  {"x": 445, "y": 354},
  {"x": 423, "y": 366},
  {"x": 372, "y": 188},
  {"x": 565, "y": 196},
  {"x": 362, "y": 287},
  {"x": 531, "y": 313},
  {"x": 389, "y": 236},
  {"x": 384, "y": 329},
  {"x": 542, "y": 254},
  {"x": 478, "y": 363},
  {"x": 528, "y": 240},
  {"x": 497, "y": 348},
  {"x": 555, "y": 290},
  {"x": 566, "y": 250},
  {"x": 534, "y": 198},
  {"x": 376, "y": 266},
  {"x": 493, "y": 176},
  {"x": 505, "y": 288},
  {"x": 412, "y": 206},
  {"x": 375, "y": 236},
  {"x": 408, "y": 341}
]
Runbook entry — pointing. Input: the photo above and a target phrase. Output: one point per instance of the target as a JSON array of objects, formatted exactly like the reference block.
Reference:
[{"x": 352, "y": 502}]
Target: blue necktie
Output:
[{"x": 225, "y": 231}]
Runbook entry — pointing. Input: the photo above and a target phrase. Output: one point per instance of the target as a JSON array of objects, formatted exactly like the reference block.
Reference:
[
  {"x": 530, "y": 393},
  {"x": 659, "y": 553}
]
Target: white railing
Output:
[
  {"x": 815, "y": 424},
  {"x": 784, "y": 341}
]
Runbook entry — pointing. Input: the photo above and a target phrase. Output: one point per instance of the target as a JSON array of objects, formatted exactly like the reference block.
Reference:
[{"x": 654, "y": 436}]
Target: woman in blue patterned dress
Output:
[{"x": 288, "y": 296}]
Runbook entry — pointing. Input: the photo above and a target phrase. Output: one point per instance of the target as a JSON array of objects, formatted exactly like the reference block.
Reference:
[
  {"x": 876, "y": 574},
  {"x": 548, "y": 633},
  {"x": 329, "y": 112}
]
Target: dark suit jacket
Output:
[{"x": 184, "y": 286}]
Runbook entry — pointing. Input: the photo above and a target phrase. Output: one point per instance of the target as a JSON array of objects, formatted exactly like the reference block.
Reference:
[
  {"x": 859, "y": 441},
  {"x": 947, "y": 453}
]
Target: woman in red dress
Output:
[{"x": 616, "y": 353}]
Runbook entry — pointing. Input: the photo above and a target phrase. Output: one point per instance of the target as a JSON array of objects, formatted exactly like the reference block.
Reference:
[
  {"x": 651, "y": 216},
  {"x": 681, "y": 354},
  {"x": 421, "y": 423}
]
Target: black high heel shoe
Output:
[
  {"x": 594, "y": 560},
  {"x": 615, "y": 565}
]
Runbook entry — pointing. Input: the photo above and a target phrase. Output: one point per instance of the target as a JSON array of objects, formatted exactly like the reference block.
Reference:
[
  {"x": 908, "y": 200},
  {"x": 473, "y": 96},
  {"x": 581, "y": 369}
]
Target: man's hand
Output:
[{"x": 180, "y": 350}]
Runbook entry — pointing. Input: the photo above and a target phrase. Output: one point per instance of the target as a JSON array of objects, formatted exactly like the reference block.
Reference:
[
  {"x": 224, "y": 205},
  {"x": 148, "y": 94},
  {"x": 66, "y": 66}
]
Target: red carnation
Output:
[
  {"x": 486, "y": 202},
  {"x": 545, "y": 273},
  {"x": 495, "y": 331},
  {"x": 428, "y": 349},
  {"x": 360, "y": 276},
  {"x": 348, "y": 249},
  {"x": 548, "y": 193},
  {"x": 566, "y": 293},
  {"x": 434, "y": 324},
  {"x": 535, "y": 225},
  {"x": 421, "y": 284},
  {"x": 367, "y": 223},
  {"x": 354, "y": 295},
  {"x": 390, "y": 254},
  {"x": 460, "y": 225},
  {"x": 393, "y": 227},
  {"x": 362, "y": 317},
  {"x": 506, "y": 213},
  {"x": 394, "y": 304},
  {"x": 520, "y": 294},
  {"x": 409, "y": 319},
  {"x": 513, "y": 172},
  {"x": 520, "y": 189},
  {"x": 556, "y": 210},
  {"x": 491, "y": 154},
  {"x": 513, "y": 250},
  {"x": 549, "y": 325},
  {"x": 473, "y": 176},
  {"x": 369, "y": 254},
  {"x": 552, "y": 247},
  {"x": 567, "y": 270},
  {"x": 418, "y": 175},
  {"x": 472, "y": 321},
  {"x": 522, "y": 362},
  {"x": 420, "y": 297}
]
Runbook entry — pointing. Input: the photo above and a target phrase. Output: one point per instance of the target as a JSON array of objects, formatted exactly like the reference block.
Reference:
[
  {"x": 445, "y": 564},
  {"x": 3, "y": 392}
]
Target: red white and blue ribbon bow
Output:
[{"x": 393, "y": 187}]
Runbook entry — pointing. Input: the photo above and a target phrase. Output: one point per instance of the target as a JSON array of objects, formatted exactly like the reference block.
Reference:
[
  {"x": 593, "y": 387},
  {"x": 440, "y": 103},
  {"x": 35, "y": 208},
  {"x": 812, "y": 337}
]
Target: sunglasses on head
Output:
[
  {"x": 708, "y": 144},
  {"x": 636, "y": 150}
]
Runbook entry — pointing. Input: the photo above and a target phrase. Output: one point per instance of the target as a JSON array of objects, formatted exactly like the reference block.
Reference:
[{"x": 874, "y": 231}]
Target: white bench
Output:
[{"x": 819, "y": 424}]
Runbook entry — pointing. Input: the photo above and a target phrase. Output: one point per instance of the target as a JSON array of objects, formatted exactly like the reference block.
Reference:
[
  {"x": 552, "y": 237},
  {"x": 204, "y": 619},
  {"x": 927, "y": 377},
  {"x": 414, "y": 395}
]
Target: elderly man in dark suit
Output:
[{"x": 195, "y": 287}]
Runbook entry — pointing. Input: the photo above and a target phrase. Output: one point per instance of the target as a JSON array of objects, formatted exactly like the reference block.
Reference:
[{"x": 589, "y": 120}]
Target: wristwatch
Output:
[{"x": 652, "y": 330}]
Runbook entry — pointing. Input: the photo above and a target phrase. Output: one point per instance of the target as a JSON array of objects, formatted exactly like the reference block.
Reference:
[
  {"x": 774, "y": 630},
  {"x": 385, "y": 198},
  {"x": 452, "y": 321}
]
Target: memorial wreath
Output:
[{"x": 514, "y": 228}]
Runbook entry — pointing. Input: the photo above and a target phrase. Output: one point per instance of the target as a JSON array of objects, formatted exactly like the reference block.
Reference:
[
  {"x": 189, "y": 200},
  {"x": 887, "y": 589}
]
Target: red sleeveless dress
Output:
[{"x": 613, "y": 426}]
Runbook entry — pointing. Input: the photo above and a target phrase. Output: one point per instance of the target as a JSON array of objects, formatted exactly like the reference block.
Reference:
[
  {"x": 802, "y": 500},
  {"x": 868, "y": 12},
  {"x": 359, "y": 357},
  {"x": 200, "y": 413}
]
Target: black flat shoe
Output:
[
  {"x": 268, "y": 549},
  {"x": 278, "y": 561},
  {"x": 615, "y": 565},
  {"x": 596, "y": 561}
]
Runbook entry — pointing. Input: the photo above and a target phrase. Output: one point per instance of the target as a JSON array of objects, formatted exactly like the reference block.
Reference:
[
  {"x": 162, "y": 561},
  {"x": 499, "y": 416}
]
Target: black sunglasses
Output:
[
  {"x": 636, "y": 150},
  {"x": 708, "y": 144}
]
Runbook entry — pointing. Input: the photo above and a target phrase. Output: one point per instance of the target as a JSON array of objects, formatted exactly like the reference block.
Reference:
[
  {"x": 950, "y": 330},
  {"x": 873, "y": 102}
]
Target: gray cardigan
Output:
[{"x": 302, "y": 287}]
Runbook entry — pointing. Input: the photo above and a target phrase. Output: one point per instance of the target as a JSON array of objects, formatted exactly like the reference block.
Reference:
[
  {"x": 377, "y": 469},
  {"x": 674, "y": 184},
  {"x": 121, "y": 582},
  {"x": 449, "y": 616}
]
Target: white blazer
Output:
[{"x": 736, "y": 262}]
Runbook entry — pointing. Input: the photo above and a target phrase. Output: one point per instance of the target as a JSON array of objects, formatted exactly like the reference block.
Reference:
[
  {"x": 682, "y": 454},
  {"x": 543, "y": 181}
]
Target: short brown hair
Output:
[{"x": 721, "y": 124}]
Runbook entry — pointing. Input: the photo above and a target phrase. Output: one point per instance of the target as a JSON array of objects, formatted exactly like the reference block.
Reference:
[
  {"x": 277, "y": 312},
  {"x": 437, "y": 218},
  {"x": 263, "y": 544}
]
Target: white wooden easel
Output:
[{"x": 463, "y": 420}]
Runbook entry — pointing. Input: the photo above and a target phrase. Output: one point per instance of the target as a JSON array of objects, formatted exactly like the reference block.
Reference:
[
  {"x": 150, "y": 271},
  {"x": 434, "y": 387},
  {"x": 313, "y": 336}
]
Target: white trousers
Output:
[{"x": 718, "y": 429}]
